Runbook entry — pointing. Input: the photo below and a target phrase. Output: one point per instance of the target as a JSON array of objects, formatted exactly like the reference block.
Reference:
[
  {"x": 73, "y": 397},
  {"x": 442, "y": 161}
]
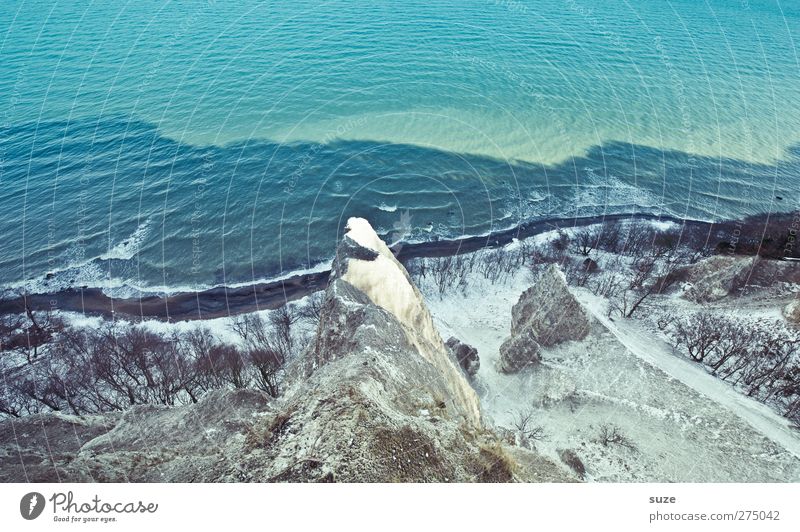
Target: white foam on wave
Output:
[
  {"x": 606, "y": 191},
  {"x": 80, "y": 272},
  {"x": 88, "y": 273},
  {"x": 537, "y": 197},
  {"x": 663, "y": 225},
  {"x": 126, "y": 289},
  {"x": 129, "y": 247},
  {"x": 387, "y": 208}
]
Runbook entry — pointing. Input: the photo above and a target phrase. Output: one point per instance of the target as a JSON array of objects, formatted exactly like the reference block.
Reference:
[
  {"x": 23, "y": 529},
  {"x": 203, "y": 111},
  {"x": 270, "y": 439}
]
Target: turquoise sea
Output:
[{"x": 165, "y": 145}]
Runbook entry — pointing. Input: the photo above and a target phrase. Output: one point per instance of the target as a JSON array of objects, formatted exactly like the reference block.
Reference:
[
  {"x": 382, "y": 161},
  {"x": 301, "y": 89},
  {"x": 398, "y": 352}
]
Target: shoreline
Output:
[{"x": 224, "y": 301}]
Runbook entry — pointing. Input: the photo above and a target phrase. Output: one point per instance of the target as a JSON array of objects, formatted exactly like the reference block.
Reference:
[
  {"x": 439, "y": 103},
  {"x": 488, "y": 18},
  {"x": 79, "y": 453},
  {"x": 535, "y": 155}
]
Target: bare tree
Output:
[
  {"x": 613, "y": 279},
  {"x": 578, "y": 272},
  {"x": 653, "y": 271},
  {"x": 28, "y": 332},
  {"x": 612, "y": 435},
  {"x": 586, "y": 239},
  {"x": 527, "y": 433},
  {"x": 268, "y": 365},
  {"x": 609, "y": 238},
  {"x": 733, "y": 344},
  {"x": 312, "y": 310},
  {"x": 282, "y": 320},
  {"x": 268, "y": 346},
  {"x": 698, "y": 334},
  {"x": 12, "y": 402},
  {"x": 449, "y": 273},
  {"x": 762, "y": 358}
]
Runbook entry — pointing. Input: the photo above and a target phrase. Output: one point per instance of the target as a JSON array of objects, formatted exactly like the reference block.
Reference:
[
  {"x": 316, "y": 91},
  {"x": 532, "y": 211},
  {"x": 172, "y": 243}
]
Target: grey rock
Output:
[
  {"x": 465, "y": 355},
  {"x": 546, "y": 314},
  {"x": 519, "y": 351},
  {"x": 718, "y": 277},
  {"x": 792, "y": 312},
  {"x": 42, "y": 447}
]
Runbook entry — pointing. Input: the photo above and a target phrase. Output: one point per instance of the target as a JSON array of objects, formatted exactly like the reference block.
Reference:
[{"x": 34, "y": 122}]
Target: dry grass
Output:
[
  {"x": 494, "y": 464},
  {"x": 410, "y": 456}
]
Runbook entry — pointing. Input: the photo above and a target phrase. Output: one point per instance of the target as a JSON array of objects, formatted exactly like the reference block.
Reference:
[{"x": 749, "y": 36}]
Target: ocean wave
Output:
[
  {"x": 536, "y": 197},
  {"x": 92, "y": 276},
  {"x": 92, "y": 272},
  {"x": 129, "y": 247},
  {"x": 95, "y": 274},
  {"x": 606, "y": 191},
  {"x": 387, "y": 208},
  {"x": 126, "y": 289}
]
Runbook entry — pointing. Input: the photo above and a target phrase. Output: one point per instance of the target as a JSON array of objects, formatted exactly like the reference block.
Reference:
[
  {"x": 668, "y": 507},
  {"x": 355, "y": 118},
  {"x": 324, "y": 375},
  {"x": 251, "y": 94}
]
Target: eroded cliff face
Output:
[
  {"x": 387, "y": 284},
  {"x": 376, "y": 397}
]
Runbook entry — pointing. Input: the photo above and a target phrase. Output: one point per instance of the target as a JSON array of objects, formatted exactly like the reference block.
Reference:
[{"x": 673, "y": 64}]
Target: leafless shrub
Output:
[
  {"x": 772, "y": 367},
  {"x": 698, "y": 335},
  {"x": 446, "y": 273},
  {"x": 540, "y": 256},
  {"x": 652, "y": 271},
  {"x": 612, "y": 435},
  {"x": 579, "y": 272},
  {"x": 282, "y": 321},
  {"x": 312, "y": 310},
  {"x": 268, "y": 365},
  {"x": 762, "y": 358},
  {"x": 14, "y": 403},
  {"x": 792, "y": 408},
  {"x": 586, "y": 239},
  {"x": 498, "y": 265},
  {"x": 609, "y": 238},
  {"x": 27, "y": 332},
  {"x": 613, "y": 279},
  {"x": 526, "y": 432},
  {"x": 86, "y": 370},
  {"x": 560, "y": 244},
  {"x": 665, "y": 321}
]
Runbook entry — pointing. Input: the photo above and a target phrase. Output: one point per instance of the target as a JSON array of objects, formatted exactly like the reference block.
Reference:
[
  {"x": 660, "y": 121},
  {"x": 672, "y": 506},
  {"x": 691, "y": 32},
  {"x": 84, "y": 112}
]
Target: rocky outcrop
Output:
[
  {"x": 42, "y": 447},
  {"x": 465, "y": 356},
  {"x": 792, "y": 312},
  {"x": 377, "y": 396},
  {"x": 199, "y": 442},
  {"x": 717, "y": 277},
  {"x": 366, "y": 264},
  {"x": 546, "y": 314},
  {"x": 571, "y": 459}
]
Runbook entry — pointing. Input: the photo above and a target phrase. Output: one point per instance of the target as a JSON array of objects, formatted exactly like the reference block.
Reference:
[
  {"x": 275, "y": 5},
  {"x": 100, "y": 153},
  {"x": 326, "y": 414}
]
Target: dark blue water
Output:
[{"x": 176, "y": 145}]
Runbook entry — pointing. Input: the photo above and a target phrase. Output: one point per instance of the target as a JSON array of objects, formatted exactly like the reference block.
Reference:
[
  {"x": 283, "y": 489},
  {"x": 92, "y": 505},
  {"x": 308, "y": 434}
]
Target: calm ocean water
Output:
[{"x": 181, "y": 144}]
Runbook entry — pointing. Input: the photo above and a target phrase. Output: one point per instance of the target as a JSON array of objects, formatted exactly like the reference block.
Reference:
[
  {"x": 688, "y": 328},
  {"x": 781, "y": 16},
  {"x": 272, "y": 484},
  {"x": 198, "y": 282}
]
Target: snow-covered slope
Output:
[
  {"x": 657, "y": 352},
  {"x": 684, "y": 425}
]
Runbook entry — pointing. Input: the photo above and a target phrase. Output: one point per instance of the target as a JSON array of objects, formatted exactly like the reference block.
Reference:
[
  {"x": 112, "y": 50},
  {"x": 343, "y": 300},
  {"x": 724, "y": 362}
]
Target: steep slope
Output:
[
  {"x": 675, "y": 430},
  {"x": 387, "y": 284},
  {"x": 376, "y": 396},
  {"x": 658, "y": 353}
]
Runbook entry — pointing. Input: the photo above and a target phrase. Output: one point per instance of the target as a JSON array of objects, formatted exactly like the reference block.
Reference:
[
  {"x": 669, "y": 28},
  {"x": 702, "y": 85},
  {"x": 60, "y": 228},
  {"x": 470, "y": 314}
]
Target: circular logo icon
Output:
[{"x": 31, "y": 505}]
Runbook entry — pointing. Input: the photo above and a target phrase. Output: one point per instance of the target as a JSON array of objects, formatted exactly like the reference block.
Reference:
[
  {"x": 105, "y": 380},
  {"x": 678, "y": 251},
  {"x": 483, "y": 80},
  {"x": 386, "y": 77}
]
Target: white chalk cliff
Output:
[
  {"x": 387, "y": 284},
  {"x": 375, "y": 397}
]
